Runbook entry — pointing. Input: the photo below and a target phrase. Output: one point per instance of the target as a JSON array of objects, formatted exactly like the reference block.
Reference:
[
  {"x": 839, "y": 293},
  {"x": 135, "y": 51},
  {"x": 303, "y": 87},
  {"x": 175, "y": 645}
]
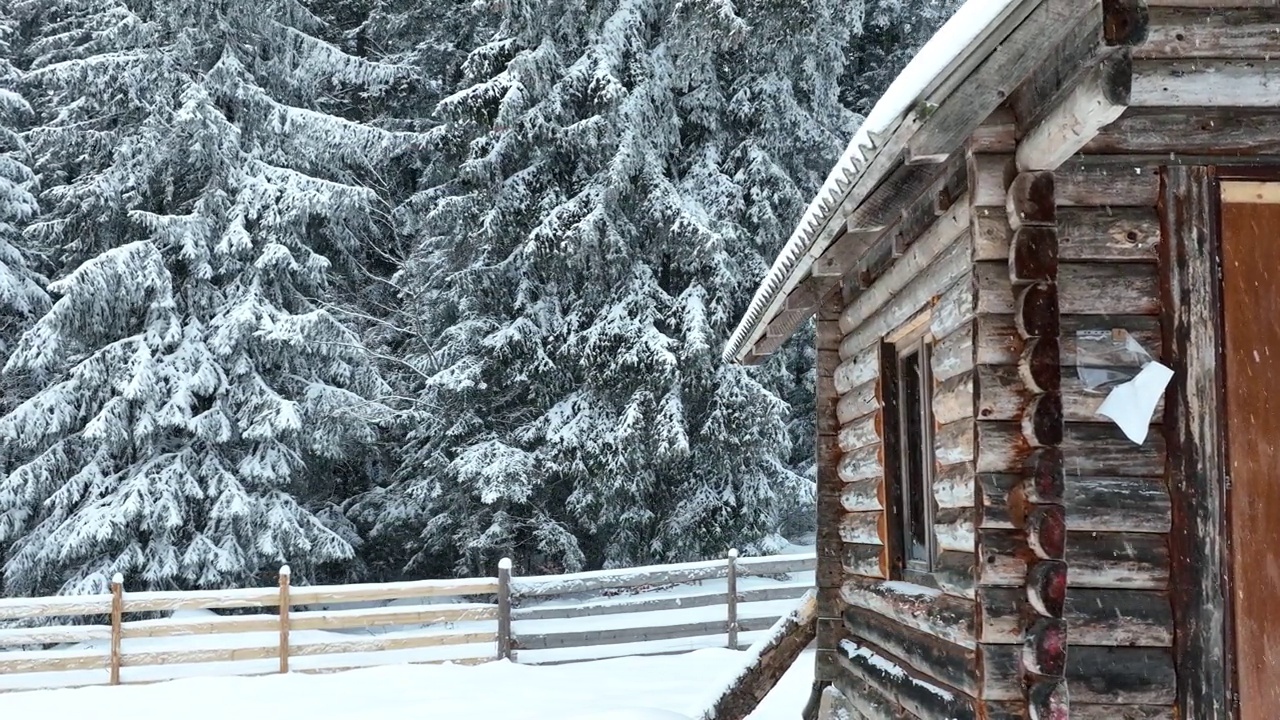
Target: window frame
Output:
[{"x": 913, "y": 339}]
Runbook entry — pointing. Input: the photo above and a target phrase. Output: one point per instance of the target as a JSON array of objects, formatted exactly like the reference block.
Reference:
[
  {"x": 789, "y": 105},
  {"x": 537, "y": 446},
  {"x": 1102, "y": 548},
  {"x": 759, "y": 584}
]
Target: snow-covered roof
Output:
[{"x": 955, "y": 41}]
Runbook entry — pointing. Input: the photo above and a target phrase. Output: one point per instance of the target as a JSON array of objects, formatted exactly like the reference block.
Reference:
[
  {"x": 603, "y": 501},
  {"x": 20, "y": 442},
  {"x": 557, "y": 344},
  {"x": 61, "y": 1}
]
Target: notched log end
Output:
[
  {"x": 1038, "y": 368},
  {"x": 1031, "y": 200},
  {"x": 1033, "y": 255},
  {"x": 1044, "y": 648},
  {"x": 1046, "y": 476},
  {"x": 1047, "y": 587},
  {"x": 1047, "y": 700},
  {"x": 1036, "y": 312},
  {"x": 1042, "y": 421},
  {"x": 1046, "y": 527},
  {"x": 1125, "y": 22}
]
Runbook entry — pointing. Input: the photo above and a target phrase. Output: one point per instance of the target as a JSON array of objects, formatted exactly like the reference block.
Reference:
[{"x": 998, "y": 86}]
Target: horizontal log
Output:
[
  {"x": 954, "y": 573},
  {"x": 862, "y": 528},
  {"x": 953, "y": 528},
  {"x": 204, "y": 599},
  {"x": 1002, "y": 396},
  {"x": 862, "y": 367},
  {"x": 860, "y": 433},
  {"x": 947, "y": 663},
  {"x": 925, "y": 283},
  {"x": 771, "y": 565},
  {"x": 1092, "y": 711},
  {"x": 861, "y": 464},
  {"x": 953, "y": 443},
  {"x": 641, "y": 603},
  {"x": 859, "y": 401},
  {"x": 1089, "y": 449},
  {"x": 1083, "y": 289},
  {"x": 953, "y": 355},
  {"x": 1096, "y": 560},
  {"x": 997, "y": 134},
  {"x": 1190, "y": 131},
  {"x": 888, "y": 680},
  {"x": 865, "y": 560},
  {"x": 1085, "y": 182},
  {"x": 1091, "y": 103},
  {"x": 1206, "y": 83},
  {"x": 1184, "y": 33},
  {"x": 863, "y": 495},
  {"x": 998, "y": 342},
  {"x": 63, "y": 605},
  {"x": 954, "y": 486},
  {"x": 1084, "y": 234},
  {"x": 862, "y": 700},
  {"x": 1098, "y": 504},
  {"x": 953, "y": 310},
  {"x": 52, "y": 661},
  {"x": 14, "y": 637},
  {"x": 1093, "y": 617},
  {"x": 1108, "y": 675},
  {"x": 953, "y": 399},
  {"x": 923, "y": 609},
  {"x": 595, "y": 580},
  {"x": 617, "y": 636}
]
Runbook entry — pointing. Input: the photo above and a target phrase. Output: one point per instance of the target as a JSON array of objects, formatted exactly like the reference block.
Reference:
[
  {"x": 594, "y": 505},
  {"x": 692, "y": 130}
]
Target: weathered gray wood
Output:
[
  {"x": 953, "y": 355},
  {"x": 999, "y": 73},
  {"x": 860, "y": 366},
  {"x": 1081, "y": 182},
  {"x": 863, "y": 495},
  {"x": 1185, "y": 33},
  {"x": 862, "y": 528},
  {"x": 1124, "y": 676},
  {"x": 913, "y": 697},
  {"x": 997, "y": 134},
  {"x": 954, "y": 309},
  {"x": 866, "y": 560},
  {"x": 860, "y": 433},
  {"x": 1084, "y": 289},
  {"x": 945, "y": 662},
  {"x": 1098, "y": 504},
  {"x": 1090, "y": 711},
  {"x": 1134, "y": 561},
  {"x": 1030, "y": 201},
  {"x": 844, "y": 253},
  {"x": 1206, "y": 83},
  {"x": 954, "y": 572},
  {"x": 927, "y": 251},
  {"x": 617, "y": 636},
  {"x": 954, "y": 443},
  {"x": 925, "y": 610},
  {"x": 504, "y": 609},
  {"x": 954, "y": 529},
  {"x": 1094, "y": 617},
  {"x": 953, "y": 399},
  {"x": 861, "y": 464},
  {"x": 1096, "y": 234},
  {"x": 998, "y": 342},
  {"x": 1002, "y": 395},
  {"x": 1090, "y": 449},
  {"x": 955, "y": 486},
  {"x": 859, "y": 401},
  {"x": 1198, "y": 463},
  {"x": 1191, "y": 131},
  {"x": 641, "y": 603},
  {"x": 862, "y": 700},
  {"x": 1101, "y": 96}
]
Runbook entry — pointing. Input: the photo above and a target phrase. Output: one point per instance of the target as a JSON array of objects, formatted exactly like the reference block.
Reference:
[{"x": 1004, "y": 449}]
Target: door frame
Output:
[{"x": 1190, "y": 210}]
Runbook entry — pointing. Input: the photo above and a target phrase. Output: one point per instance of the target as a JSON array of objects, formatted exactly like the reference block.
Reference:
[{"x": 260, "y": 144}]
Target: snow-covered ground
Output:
[{"x": 633, "y": 688}]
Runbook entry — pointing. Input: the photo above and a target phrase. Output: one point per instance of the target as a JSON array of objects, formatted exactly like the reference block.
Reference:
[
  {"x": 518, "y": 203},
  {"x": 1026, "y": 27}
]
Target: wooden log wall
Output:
[{"x": 906, "y": 650}]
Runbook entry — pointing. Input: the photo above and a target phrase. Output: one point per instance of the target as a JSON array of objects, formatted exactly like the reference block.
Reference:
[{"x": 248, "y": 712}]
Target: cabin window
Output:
[{"x": 911, "y": 476}]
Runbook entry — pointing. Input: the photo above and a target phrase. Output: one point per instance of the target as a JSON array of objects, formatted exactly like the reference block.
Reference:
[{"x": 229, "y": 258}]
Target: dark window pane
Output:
[{"x": 914, "y": 486}]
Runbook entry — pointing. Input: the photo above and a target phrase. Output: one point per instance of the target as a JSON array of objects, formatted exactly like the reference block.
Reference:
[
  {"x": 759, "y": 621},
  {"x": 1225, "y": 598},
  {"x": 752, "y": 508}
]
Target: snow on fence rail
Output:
[{"x": 546, "y": 619}]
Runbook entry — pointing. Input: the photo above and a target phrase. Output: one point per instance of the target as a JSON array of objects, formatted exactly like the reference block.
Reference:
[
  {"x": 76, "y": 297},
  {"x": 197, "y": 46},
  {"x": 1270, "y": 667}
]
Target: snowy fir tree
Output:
[
  {"x": 197, "y": 399},
  {"x": 626, "y": 174},
  {"x": 388, "y": 287},
  {"x": 21, "y": 295}
]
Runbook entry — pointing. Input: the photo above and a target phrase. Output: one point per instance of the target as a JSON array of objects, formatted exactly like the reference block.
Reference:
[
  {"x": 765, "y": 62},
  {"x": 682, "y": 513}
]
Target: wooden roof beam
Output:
[
  {"x": 1012, "y": 60},
  {"x": 1099, "y": 99}
]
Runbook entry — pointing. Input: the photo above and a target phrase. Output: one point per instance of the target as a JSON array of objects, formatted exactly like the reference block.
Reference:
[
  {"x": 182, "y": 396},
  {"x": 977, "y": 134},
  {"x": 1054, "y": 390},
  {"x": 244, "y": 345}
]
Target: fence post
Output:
[
  {"x": 504, "y": 609},
  {"x": 284, "y": 618},
  {"x": 117, "y": 629},
  {"x": 732, "y": 598}
]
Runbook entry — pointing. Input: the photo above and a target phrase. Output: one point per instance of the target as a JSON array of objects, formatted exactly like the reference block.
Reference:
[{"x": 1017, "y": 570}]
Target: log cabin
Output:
[{"x": 1052, "y": 192}]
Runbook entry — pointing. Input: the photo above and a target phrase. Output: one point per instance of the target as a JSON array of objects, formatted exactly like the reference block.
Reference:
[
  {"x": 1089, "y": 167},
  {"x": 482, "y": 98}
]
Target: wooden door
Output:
[{"x": 1251, "y": 324}]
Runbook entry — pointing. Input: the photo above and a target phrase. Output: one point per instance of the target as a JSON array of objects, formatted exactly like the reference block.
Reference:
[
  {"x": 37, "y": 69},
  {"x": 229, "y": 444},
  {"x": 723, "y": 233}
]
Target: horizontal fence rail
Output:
[{"x": 535, "y": 619}]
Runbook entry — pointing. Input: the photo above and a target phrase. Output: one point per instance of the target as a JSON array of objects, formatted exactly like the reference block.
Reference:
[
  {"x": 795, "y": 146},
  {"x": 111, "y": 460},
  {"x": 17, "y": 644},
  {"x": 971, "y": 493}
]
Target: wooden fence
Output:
[{"x": 546, "y": 619}]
